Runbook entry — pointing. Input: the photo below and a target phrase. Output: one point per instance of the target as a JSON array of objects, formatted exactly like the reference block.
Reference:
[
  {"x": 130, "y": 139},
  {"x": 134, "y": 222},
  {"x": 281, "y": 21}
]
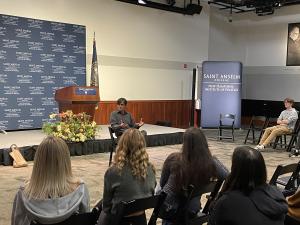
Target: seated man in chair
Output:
[
  {"x": 121, "y": 120},
  {"x": 286, "y": 122}
]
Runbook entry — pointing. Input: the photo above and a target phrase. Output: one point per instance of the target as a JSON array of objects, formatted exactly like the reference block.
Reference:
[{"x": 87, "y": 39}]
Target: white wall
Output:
[
  {"x": 225, "y": 41},
  {"x": 260, "y": 43},
  {"x": 265, "y": 38},
  {"x": 141, "y": 51}
]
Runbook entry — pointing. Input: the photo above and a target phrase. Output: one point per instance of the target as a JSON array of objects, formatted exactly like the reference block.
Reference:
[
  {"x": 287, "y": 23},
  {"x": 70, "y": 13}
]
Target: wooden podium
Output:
[{"x": 78, "y": 99}]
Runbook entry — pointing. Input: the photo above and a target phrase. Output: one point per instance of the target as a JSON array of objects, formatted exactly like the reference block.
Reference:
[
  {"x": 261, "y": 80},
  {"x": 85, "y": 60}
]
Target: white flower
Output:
[{"x": 52, "y": 116}]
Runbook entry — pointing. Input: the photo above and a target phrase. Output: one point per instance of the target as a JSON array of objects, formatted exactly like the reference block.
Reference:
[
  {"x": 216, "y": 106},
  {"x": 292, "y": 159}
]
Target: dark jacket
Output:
[{"x": 264, "y": 206}]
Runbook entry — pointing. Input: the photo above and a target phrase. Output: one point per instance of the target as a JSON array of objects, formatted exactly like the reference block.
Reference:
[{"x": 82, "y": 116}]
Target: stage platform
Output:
[{"x": 28, "y": 141}]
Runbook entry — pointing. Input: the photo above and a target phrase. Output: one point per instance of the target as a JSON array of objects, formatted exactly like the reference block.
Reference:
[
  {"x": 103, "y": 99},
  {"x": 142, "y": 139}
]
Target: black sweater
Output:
[{"x": 264, "y": 206}]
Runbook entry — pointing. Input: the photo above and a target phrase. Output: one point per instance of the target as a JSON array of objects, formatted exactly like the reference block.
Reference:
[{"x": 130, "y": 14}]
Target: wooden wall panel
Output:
[{"x": 175, "y": 111}]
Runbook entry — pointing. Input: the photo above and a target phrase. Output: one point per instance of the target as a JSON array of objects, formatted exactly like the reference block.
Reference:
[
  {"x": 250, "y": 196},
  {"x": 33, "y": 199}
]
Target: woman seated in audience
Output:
[
  {"x": 193, "y": 165},
  {"x": 246, "y": 198},
  {"x": 52, "y": 194},
  {"x": 130, "y": 177}
]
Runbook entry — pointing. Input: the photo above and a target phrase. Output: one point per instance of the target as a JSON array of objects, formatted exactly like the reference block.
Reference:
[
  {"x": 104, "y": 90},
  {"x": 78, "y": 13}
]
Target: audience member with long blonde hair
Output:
[
  {"x": 52, "y": 194},
  {"x": 130, "y": 177}
]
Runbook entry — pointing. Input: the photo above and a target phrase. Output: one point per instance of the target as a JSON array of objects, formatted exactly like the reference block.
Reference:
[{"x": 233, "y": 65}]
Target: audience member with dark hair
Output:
[
  {"x": 121, "y": 120},
  {"x": 193, "y": 165},
  {"x": 246, "y": 198},
  {"x": 286, "y": 122},
  {"x": 52, "y": 194},
  {"x": 130, "y": 177}
]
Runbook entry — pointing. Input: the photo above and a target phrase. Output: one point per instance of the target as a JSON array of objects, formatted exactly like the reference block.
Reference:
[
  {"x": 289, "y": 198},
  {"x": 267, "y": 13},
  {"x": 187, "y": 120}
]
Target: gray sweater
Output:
[
  {"x": 291, "y": 115},
  {"x": 125, "y": 187},
  {"x": 48, "y": 211}
]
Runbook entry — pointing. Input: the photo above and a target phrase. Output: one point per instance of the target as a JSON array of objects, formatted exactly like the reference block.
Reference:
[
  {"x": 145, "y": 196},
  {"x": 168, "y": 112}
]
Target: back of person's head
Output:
[
  {"x": 51, "y": 174},
  {"x": 248, "y": 170},
  {"x": 196, "y": 165},
  {"x": 131, "y": 151},
  {"x": 122, "y": 101}
]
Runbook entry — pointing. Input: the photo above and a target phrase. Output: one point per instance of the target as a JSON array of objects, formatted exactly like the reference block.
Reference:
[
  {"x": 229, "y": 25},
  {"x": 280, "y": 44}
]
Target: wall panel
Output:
[{"x": 175, "y": 111}]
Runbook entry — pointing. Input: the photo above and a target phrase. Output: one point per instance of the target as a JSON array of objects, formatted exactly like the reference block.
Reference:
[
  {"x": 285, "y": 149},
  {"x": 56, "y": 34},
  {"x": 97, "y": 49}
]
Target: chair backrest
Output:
[
  {"x": 89, "y": 218},
  {"x": 131, "y": 207},
  {"x": 258, "y": 122},
  {"x": 227, "y": 119},
  {"x": 290, "y": 182},
  {"x": 213, "y": 188},
  {"x": 297, "y": 127},
  {"x": 272, "y": 121}
]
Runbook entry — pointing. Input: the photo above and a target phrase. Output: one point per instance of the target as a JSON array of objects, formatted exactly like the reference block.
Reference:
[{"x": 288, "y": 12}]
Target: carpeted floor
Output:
[{"x": 91, "y": 168}]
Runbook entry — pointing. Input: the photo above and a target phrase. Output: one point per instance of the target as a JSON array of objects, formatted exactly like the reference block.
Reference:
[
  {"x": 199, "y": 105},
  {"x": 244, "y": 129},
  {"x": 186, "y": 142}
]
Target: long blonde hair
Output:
[
  {"x": 52, "y": 173},
  {"x": 131, "y": 151}
]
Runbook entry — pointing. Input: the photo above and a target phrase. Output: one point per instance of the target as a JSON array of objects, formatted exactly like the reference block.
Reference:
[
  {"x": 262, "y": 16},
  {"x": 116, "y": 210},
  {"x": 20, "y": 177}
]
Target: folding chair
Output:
[
  {"x": 128, "y": 208},
  {"x": 226, "y": 122},
  {"x": 113, "y": 143},
  {"x": 89, "y": 218},
  {"x": 288, "y": 184},
  {"x": 184, "y": 216},
  {"x": 293, "y": 138},
  {"x": 203, "y": 216},
  {"x": 257, "y": 124}
]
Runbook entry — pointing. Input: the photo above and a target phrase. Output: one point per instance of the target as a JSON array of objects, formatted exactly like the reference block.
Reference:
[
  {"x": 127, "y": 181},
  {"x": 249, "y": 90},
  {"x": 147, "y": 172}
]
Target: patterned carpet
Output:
[{"x": 91, "y": 168}]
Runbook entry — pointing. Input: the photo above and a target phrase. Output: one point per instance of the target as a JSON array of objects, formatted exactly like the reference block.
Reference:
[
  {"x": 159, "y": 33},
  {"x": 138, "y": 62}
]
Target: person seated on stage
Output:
[
  {"x": 193, "y": 165},
  {"x": 246, "y": 198},
  {"x": 52, "y": 194},
  {"x": 286, "y": 122},
  {"x": 121, "y": 120},
  {"x": 130, "y": 177}
]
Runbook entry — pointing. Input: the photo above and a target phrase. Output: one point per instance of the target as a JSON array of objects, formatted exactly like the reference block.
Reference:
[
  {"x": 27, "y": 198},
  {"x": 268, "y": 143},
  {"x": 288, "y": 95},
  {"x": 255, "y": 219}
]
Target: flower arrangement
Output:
[{"x": 71, "y": 127}]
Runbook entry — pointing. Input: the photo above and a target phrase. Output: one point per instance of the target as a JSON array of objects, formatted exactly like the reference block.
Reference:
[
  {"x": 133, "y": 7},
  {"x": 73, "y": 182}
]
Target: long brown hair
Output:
[
  {"x": 131, "y": 151},
  {"x": 51, "y": 174},
  {"x": 195, "y": 165}
]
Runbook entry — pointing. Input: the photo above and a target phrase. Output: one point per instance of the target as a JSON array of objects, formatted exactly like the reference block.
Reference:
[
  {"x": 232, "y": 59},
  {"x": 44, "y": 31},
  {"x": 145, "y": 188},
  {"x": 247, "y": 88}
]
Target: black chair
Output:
[
  {"x": 128, "y": 208},
  {"x": 293, "y": 138},
  {"x": 113, "y": 143},
  {"x": 89, "y": 218},
  {"x": 226, "y": 123},
  {"x": 287, "y": 178},
  {"x": 257, "y": 124},
  {"x": 202, "y": 217},
  {"x": 184, "y": 216}
]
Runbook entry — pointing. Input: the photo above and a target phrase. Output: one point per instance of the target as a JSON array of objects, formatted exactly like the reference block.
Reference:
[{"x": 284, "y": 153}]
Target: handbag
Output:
[{"x": 19, "y": 160}]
